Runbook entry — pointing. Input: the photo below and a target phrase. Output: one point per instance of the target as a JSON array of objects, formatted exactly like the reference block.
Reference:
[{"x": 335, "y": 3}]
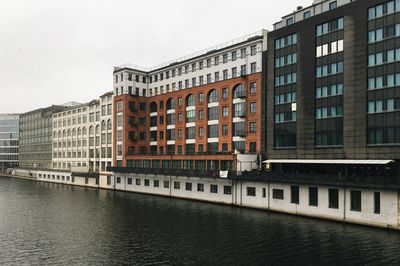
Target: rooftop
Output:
[{"x": 213, "y": 49}]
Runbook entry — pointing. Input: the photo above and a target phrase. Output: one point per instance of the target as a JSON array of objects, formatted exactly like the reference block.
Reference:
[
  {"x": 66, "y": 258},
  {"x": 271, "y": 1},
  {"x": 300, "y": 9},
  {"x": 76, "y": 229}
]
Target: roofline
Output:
[{"x": 258, "y": 37}]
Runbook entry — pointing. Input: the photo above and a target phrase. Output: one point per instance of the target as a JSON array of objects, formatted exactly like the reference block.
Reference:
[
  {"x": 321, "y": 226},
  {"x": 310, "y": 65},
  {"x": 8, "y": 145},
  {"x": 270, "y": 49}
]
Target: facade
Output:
[
  {"x": 9, "y": 141},
  {"x": 82, "y": 136},
  {"x": 195, "y": 113},
  {"x": 335, "y": 97},
  {"x": 35, "y": 137}
]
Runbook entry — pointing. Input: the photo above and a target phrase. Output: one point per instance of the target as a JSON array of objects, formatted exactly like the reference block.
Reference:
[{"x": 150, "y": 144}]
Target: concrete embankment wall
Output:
[{"x": 273, "y": 196}]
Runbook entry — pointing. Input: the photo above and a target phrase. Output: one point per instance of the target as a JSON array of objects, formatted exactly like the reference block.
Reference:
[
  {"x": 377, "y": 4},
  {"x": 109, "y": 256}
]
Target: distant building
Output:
[
  {"x": 9, "y": 141},
  {"x": 82, "y": 136},
  {"x": 36, "y": 129}
]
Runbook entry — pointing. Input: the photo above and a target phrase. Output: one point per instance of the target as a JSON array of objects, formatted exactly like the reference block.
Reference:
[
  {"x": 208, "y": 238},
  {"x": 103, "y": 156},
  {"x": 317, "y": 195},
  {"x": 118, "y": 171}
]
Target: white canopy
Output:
[{"x": 310, "y": 161}]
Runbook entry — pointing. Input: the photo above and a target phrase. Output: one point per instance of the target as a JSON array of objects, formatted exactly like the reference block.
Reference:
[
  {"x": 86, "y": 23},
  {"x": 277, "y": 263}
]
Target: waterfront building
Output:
[
  {"x": 82, "y": 135},
  {"x": 35, "y": 137},
  {"x": 9, "y": 141},
  {"x": 200, "y": 112}
]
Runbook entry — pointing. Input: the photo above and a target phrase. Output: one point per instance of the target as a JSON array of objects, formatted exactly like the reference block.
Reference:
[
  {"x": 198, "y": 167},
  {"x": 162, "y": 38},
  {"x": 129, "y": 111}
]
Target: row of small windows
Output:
[
  {"x": 286, "y": 79},
  {"x": 383, "y": 33},
  {"x": 329, "y": 138},
  {"x": 327, "y": 91},
  {"x": 337, "y": 24},
  {"x": 387, "y": 135},
  {"x": 328, "y": 112},
  {"x": 54, "y": 177},
  {"x": 332, "y": 48},
  {"x": 380, "y": 58},
  {"x": 234, "y": 55},
  {"x": 331, "y": 69},
  {"x": 283, "y": 98},
  {"x": 286, "y": 60},
  {"x": 286, "y": 41},
  {"x": 379, "y": 106},
  {"x": 307, "y": 13},
  {"x": 285, "y": 117},
  {"x": 227, "y": 190},
  {"x": 333, "y": 198},
  {"x": 83, "y": 131},
  {"x": 383, "y": 9},
  {"x": 380, "y": 82}
]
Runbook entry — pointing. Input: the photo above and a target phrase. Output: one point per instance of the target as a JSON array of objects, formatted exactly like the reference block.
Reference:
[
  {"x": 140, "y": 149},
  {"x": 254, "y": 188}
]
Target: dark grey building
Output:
[
  {"x": 333, "y": 83},
  {"x": 35, "y": 127},
  {"x": 9, "y": 141}
]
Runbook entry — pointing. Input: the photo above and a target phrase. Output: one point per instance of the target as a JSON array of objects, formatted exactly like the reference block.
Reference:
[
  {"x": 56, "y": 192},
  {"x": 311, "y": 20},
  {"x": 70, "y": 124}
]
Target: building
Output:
[
  {"x": 82, "y": 136},
  {"x": 9, "y": 141},
  {"x": 195, "y": 113},
  {"x": 331, "y": 82},
  {"x": 35, "y": 137}
]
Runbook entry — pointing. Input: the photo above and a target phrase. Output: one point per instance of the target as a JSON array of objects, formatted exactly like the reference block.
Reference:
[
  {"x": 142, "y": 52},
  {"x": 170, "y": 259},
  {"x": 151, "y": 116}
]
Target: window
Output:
[
  {"x": 253, "y": 107},
  {"x": 224, "y": 93},
  {"x": 313, "y": 196},
  {"x": 201, "y": 114},
  {"x": 333, "y": 198},
  {"x": 188, "y": 186},
  {"x": 147, "y": 182},
  {"x": 253, "y": 127},
  {"x": 156, "y": 183},
  {"x": 251, "y": 191},
  {"x": 129, "y": 181},
  {"x": 253, "y": 67},
  {"x": 214, "y": 188},
  {"x": 224, "y": 130},
  {"x": 332, "y": 5},
  {"x": 227, "y": 190},
  {"x": 294, "y": 194},
  {"x": 253, "y": 88},
  {"x": 377, "y": 202},
  {"x": 225, "y": 111},
  {"x": 277, "y": 194},
  {"x": 355, "y": 200},
  {"x": 200, "y": 187},
  {"x": 289, "y": 21},
  {"x": 234, "y": 55},
  {"x": 118, "y": 180},
  {"x": 306, "y": 14},
  {"x": 286, "y": 41},
  {"x": 138, "y": 182},
  {"x": 177, "y": 185},
  {"x": 166, "y": 184},
  {"x": 253, "y": 50}
]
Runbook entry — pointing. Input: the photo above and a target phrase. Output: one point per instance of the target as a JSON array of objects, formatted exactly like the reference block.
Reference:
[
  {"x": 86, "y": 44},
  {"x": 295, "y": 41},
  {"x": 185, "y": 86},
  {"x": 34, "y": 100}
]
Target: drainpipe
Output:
[{"x": 344, "y": 204}]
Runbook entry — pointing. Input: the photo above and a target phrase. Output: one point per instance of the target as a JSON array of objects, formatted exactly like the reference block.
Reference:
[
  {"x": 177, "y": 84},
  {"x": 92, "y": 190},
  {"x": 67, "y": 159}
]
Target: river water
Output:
[{"x": 51, "y": 224}]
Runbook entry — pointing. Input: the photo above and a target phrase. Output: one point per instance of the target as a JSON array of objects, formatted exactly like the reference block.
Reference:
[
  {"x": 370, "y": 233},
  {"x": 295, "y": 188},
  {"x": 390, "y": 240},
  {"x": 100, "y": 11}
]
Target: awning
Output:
[{"x": 310, "y": 161}]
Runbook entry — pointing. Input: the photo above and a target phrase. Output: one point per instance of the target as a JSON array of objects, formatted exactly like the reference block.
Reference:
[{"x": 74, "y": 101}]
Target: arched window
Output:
[
  {"x": 69, "y": 132},
  {"x": 103, "y": 125},
  {"x": 170, "y": 104},
  {"x": 59, "y": 134},
  {"x": 79, "y": 131},
  {"x": 109, "y": 125},
  {"x": 64, "y": 133},
  {"x": 91, "y": 130},
  {"x": 84, "y": 132},
  {"x": 153, "y": 107},
  {"x": 213, "y": 96},
  {"x": 55, "y": 134},
  {"x": 74, "y": 132},
  {"x": 239, "y": 91},
  {"x": 190, "y": 101},
  {"x": 97, "y": 129}
]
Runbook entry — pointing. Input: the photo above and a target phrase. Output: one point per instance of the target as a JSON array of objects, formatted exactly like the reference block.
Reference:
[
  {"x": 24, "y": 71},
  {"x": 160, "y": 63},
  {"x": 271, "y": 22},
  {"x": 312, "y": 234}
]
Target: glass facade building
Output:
[{"x": 9, "y": 141}]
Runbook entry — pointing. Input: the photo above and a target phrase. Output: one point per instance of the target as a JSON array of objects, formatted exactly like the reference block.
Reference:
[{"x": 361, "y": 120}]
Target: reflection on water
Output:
[{"x": 42, "y": 223}]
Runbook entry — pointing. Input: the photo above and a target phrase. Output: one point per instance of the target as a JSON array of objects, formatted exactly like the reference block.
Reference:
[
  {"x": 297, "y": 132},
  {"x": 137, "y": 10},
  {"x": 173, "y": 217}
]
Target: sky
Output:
[{"x": 57, "y": 51}]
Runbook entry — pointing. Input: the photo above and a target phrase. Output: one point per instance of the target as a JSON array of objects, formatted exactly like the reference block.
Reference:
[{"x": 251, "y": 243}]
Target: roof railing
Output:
[{"x": 193, "y": 55}]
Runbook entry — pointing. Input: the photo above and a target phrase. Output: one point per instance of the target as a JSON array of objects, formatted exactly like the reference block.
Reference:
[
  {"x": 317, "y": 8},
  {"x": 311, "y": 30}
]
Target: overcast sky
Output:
[{"x": 54, "y": 51}]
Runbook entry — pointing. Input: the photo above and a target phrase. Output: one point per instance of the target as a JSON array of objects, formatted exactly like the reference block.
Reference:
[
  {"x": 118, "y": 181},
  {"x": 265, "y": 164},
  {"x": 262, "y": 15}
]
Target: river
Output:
[{"x": 52, "y": 224}]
